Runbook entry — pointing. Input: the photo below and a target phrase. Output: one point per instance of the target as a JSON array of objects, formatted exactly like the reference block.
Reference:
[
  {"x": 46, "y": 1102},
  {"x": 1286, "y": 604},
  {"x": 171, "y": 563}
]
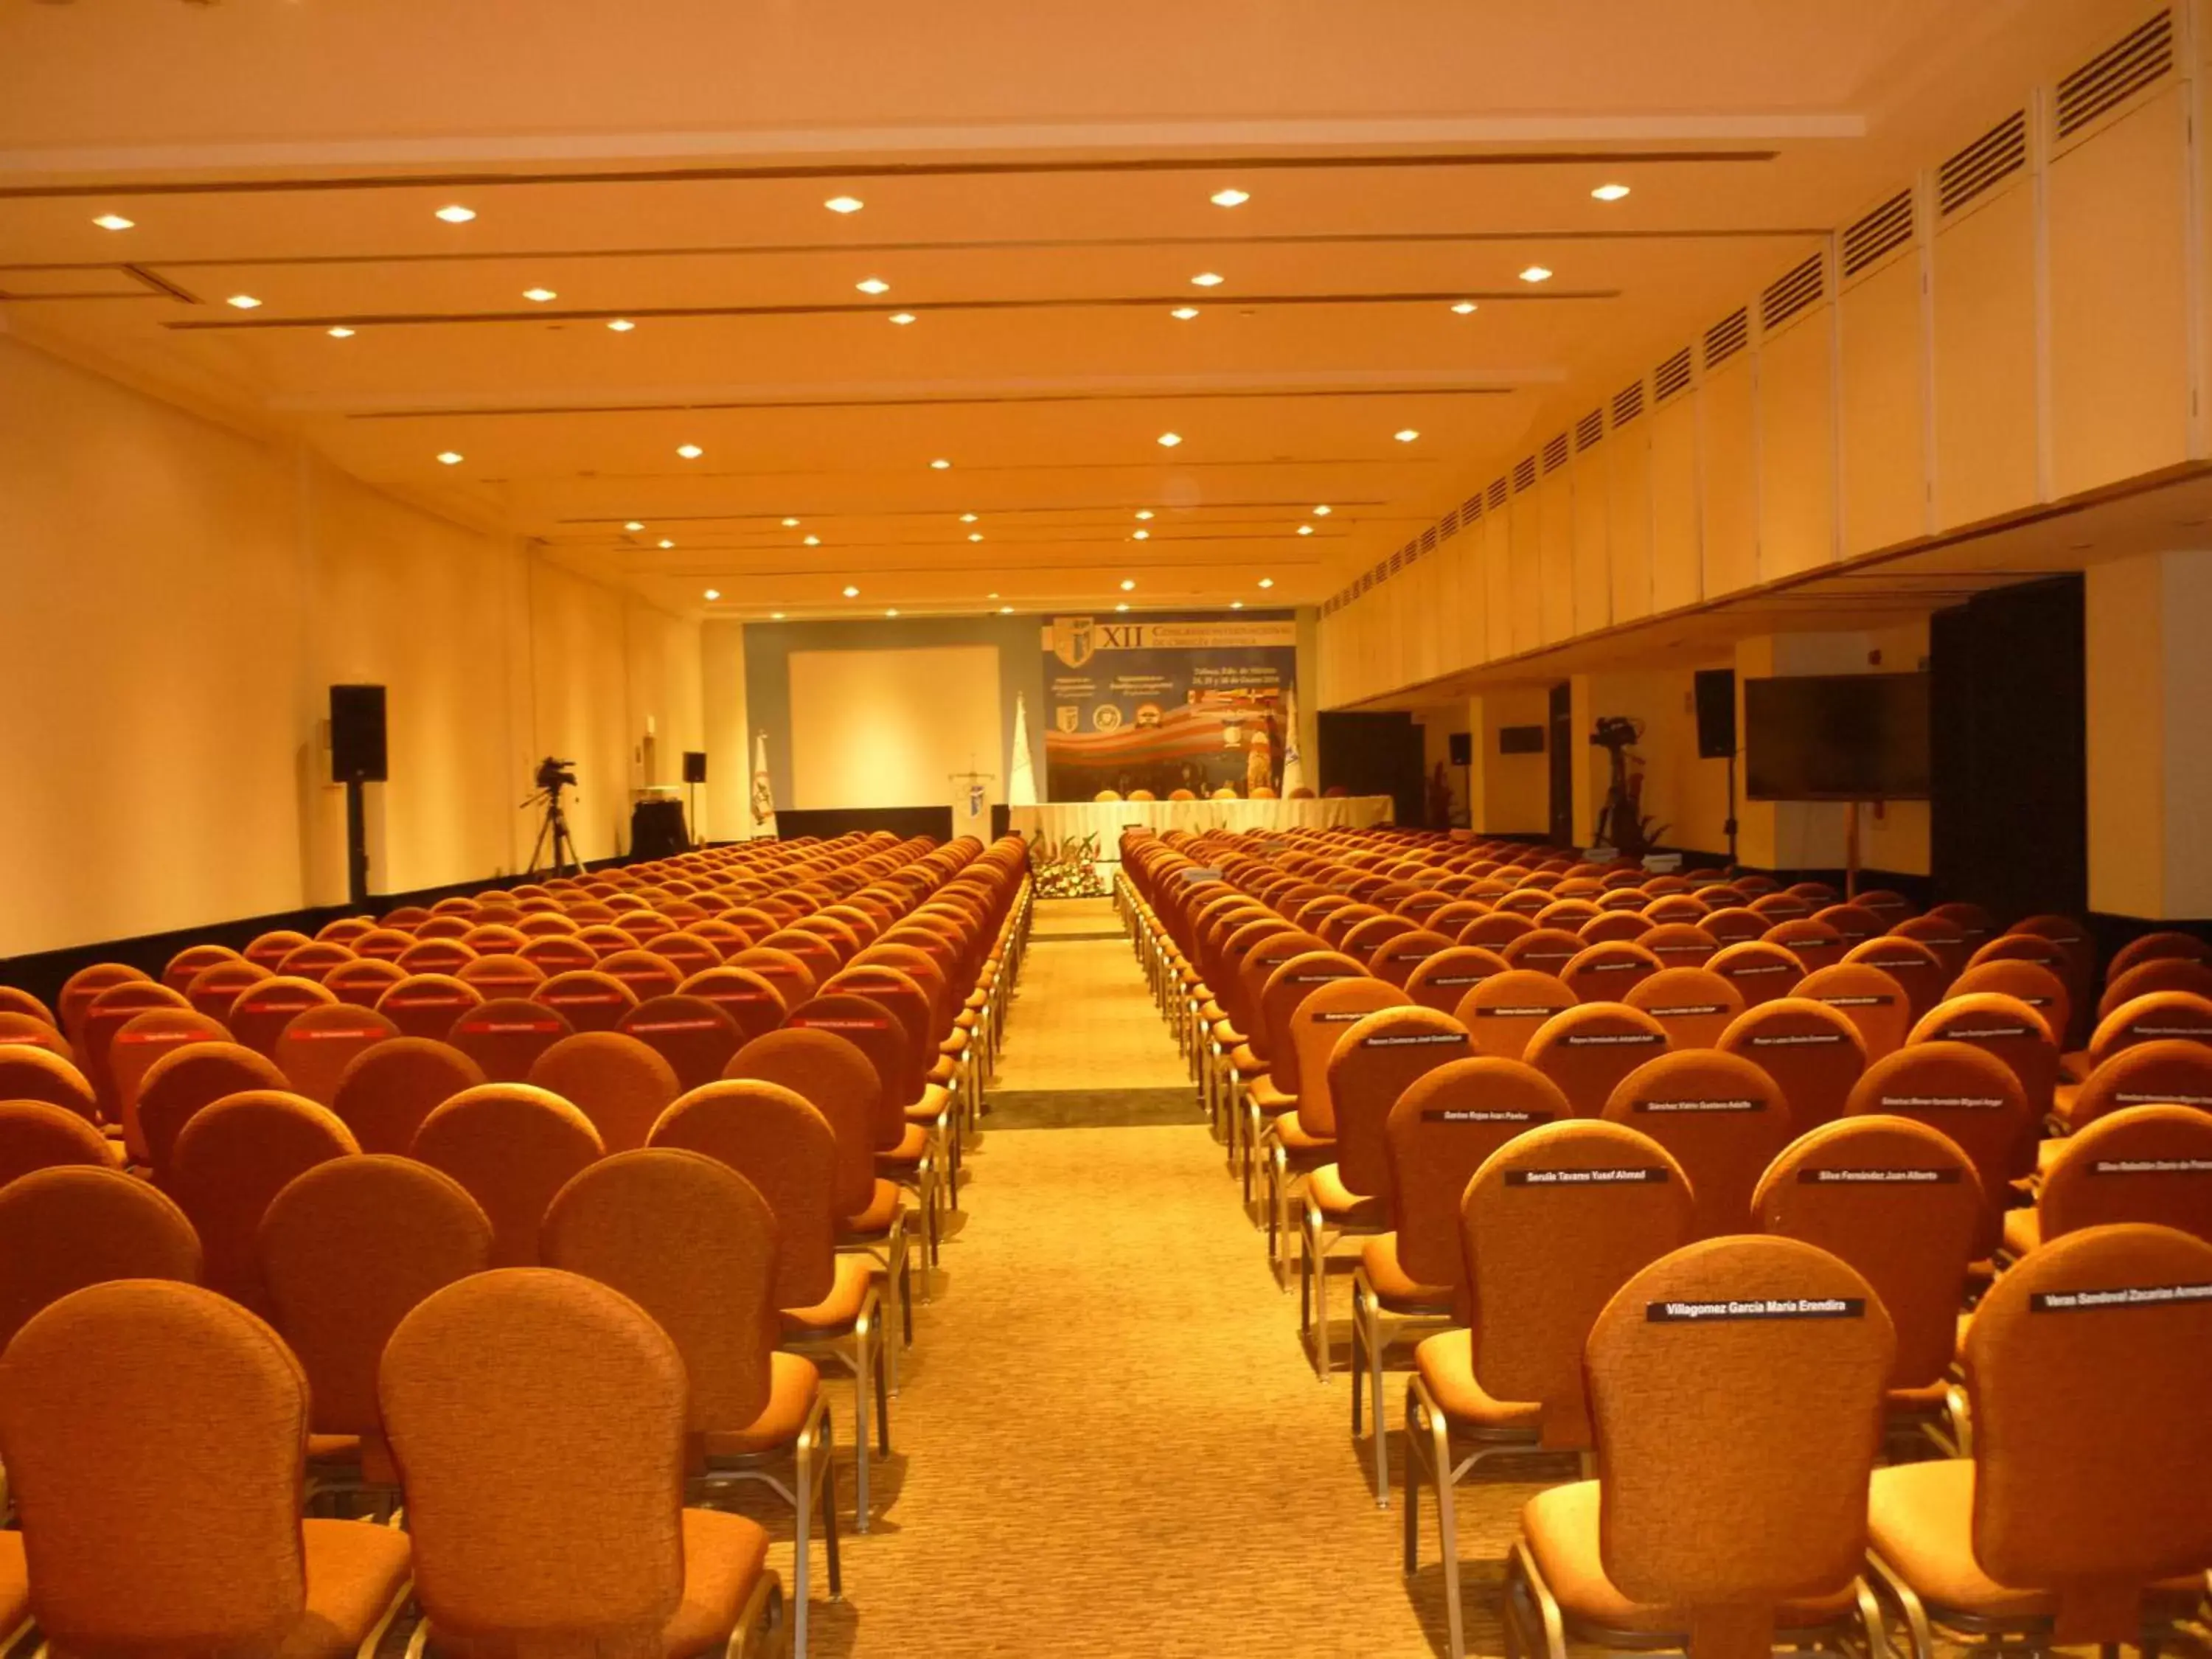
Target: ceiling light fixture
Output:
[
  {"x": 1184, "y": 313},
  {"x": 1610, "y": 192},
  {"x": 939, "y": 465},
  {"x": 340, "y": 332},
  {"x": 975, "y": 535},
  {"x": 1537, "y": 274},
  {"x": 791, "y": 524},
  {"x": 811, "y": 541},
  {"x": 967, "y": 518},
  {"x": 455, "y": 214},
  {"x": 1405, "y": 435},
  {"x": 622, "y": 325},
  {"x": 665, "y": 544},
  {"x": 539, "y": 295},
  {"x": 113, "y": 222},
  {"x": 873, "y": 285},
  {"x": 1236, "y": 605},
  {"x": 1006, "y": 611},
  {"x": 1141, "y": 535},
  {"x": 775, "y": 616},
  {"x": 1322, "y": 511},
  {"x": 690, "y": 452},
  {"x": 714, "y": 594},
  {"x": 449, "y": 457},
  {"x": 844, "y": 204},
  {"x": 1231, "y": 198},
  {"x": 1124, "y": 605},
  {"x": 634, "y": 524},
  {"x": 990, "y": 596},
  {"x": 1207, "y": 279},
  {"x": 1128, "y": 585},
  {"x": 893, "y": 611},
  {"x": 243, "y": 301},
  {"x": 1266, "y": 581},
  {"x": 1144, "y": 512},
  {"x": 852, "y": 593},
  {"x": 1305, "y": 530},
  {"x": 1169, "y": 439},
  {"x": 1465, "y": 309},
  {"x": 901, "y": 318}
]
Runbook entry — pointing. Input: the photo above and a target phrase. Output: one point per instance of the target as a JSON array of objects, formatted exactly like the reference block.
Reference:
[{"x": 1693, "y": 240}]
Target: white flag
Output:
[
  {"x": 1021, "y": 786},
  {"x": 1294, "y": 760},
  {"x": 763, "y": 794}
]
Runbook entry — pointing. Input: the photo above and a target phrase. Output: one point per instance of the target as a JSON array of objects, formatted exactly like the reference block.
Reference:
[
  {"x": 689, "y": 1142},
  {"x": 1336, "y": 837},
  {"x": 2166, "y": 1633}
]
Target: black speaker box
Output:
[
  {"x": 1462, "y": 749},
  {"x": 695, "y": 766},
  {"x": 357, "y": 734},
  {"x": 1716, "y": 713}
]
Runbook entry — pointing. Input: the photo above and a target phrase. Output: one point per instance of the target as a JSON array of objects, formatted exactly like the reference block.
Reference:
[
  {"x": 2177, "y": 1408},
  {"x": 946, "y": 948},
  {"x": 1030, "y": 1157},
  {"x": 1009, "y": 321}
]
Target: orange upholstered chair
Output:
[
  {"x": 184, "y": 1083},
  {"x": 265, "y": 1007},
  {"x": 1719, "y": 1116},
  {"x": 35, "y": 1134},
  {"x": 1807, "y": 1047},
  {"x": 695, "y": 1037},
  {"x": 590, "y": 999},
  {"x": 318, "y": 1044},
  {"x": 1759, "y": 968},
  {"x": 1733, "y": 1452},
  {"x": 1870, "y": 999},
  {"x": 1553, "y": 1224},
  {"x": 363, "y": 981},
  {"x": 538, "y": 1419},
  {"x": 1504, "y": 1011},
  {"x": 430, "y": 1005},
  {"x": 67, "y": 1226},
  {"x": 143, "y": 1039},
  {"x": 117, "y": 1562},
  {"x": 30, "y": 1072},
  {"x": 231, "y": 1160},
  {"x": 2040, "y": 985},
  {"x": 1910, "y": 962},
  {"x": 1588, "y": 1050},
  {"x": 107, "y": 1014},
  {"x": 1693, "y": 1006},
  {"x": 386, "y": 1091},
  {"x": 347, "y": 1250},
  {"x": 78, "y": 991},
  {"x": 511, "y": 1146},
  {"x": 691, "y": 1242},
  {"x": 1969, "y": 1097},
  {"x": 2004, "y": 1026},
  {"x": 183, "y": 968},
  {"x": 618, "y": 1081},
  {"x": 2083, "y": 1515},
  {"x": 213, "y": 990},
  {"x": 2147, "y": 1164}
]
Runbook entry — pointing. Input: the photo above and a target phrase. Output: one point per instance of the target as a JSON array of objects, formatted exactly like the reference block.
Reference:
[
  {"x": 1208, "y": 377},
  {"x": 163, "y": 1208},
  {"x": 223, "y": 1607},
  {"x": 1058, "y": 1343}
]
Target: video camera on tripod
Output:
[
  {"x": 556, "y": 775},
  {"x": 552, "y": 777}
]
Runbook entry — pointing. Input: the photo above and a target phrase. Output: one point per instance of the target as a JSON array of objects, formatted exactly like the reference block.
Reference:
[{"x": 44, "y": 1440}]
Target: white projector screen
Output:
[{"x": 888, "y": 728}]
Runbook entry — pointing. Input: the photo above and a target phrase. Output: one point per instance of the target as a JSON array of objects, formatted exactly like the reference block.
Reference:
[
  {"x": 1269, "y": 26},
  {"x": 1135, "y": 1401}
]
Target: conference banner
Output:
[{"x": 1167, "y": 702}]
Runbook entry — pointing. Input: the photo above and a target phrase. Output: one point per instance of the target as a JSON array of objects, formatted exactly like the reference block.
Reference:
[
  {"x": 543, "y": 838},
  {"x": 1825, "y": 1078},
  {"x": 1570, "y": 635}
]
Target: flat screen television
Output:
[{"x": 1836, "y": 736}]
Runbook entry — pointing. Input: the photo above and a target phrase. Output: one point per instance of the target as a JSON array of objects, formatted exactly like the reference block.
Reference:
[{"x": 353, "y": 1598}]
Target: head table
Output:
[{"x": 1106, "y": 819}]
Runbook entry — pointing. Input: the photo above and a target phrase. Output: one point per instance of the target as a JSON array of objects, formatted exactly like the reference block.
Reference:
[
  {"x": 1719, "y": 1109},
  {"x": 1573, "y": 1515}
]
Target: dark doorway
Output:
[
  {"x": 1374, "y": 755},
  {"x": 2008, "y": 747},
  {"x": 1562, "y": 738}
]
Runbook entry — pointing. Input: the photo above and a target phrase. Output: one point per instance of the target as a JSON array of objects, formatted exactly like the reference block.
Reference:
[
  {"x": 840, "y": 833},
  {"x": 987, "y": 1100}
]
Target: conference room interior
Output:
[{"x": 1263, "y": 830}]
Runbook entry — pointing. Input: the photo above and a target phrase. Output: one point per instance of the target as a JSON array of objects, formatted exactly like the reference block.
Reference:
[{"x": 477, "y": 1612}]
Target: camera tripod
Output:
[{"x": 553, "y": 835}]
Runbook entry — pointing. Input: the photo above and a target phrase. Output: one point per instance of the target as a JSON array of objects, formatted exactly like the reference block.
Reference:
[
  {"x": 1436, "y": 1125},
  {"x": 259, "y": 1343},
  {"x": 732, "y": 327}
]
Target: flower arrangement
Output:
[{"x": 1065, "y": 869}]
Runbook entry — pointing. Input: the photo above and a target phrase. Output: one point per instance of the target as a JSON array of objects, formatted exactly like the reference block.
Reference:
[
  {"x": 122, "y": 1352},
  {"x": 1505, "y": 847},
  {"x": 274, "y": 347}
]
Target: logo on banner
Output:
[
  {"x": 1066, "y": 716},
  {"x": 1107, "y": 717},
  {"x": 974, "y": 800},
  {"x": 1074, "y": 641}
]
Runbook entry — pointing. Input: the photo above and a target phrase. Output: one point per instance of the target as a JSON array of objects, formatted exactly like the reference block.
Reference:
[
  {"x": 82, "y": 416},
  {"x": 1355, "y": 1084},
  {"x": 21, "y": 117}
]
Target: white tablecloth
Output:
[{"x": 1107, "y": 819}]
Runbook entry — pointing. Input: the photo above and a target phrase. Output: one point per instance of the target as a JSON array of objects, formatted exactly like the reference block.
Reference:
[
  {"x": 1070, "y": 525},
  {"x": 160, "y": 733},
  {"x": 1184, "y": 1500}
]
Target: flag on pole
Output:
[
  {"x": 1294, "y": 760},
  {"x": 1021, "y": 775},
  {"x": 763, "y": 794}
]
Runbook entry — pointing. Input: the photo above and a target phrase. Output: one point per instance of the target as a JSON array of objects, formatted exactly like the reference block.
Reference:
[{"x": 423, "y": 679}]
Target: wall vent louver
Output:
[
  {"x": 1471, "y": 508},
  {"x": 1450, "y": 526},
  {"x": 1397, "y": 559},
  {"x": 1497, "y": 494},
  {"x": 1672, "y": 376},
  {"x": 1429, "y": 539},
  {"x": 1888, "y": 227},
  {"x": 1555, "y": 452},
  {"x": 1628, "y": 404},
  {"x": 1589, "y": 430},
  {"x": 1997, "y": 154},
  {"x": 1805, "y": 284},
  {"x": 1728, "y": 337},
  {"x": 1524, "y": 474},
  {"x": 2115, "y": 75}
]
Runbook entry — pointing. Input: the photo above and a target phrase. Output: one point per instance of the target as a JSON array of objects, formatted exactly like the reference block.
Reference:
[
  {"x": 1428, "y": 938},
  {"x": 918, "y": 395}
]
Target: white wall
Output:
[
  {"x": 175, "y": 599},
  {"x": 890, "y": 727}
]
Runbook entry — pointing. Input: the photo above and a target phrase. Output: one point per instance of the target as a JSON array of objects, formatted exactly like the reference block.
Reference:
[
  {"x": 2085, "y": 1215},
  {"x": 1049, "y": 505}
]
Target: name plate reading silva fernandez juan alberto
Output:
[
  {"x": 1877, "y": 1177},
  {"x": 1768, "y": 1307}
]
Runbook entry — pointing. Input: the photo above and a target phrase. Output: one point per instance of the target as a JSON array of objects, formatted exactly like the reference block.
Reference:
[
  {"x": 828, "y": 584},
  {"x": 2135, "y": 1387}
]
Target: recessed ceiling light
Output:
[
  {"x": 1322, "y": 511},
  {"x": 113, "y": 222},
  {"x": 1207, "y": 279},
  {"x": 665, "y": 544},
  {"x": 775, "y": 616},
  {"x": 539, "y": 295},
  {"x": 690, "y": 452},
  {"x": 1236, "y": 605},
  {"x": 852, "y": 593},
  {"x": 967, "y": 518},
  {"x": 455, "y": 214},
  {"x": 1184, "y": 313},
  {"x": 1610, "y": 192},
  {"x": 791, "y": 524},
  {"x": 1140, "y": 536},
  {"x": 873, "y": 285},
  {"x": 1124, "y": 605},
  {"x": 844, "y": 204},
  {"x": 714, "y": 594},
  {"x": 901, "y": 318},
  {"x": 1305, "y": 530},
  {"x": 1465, "y": 309},
  {"x": 811, "y": 541},
  {"x": 243, "y": 301},
  {"x": 1266, "y": 581},
  {"x": 1144, "y": 512},
  {"x": 893, "y": 611},
  {"x": 634, "y": 524},
  {"x": 622, "y": 325},
  {"x": 975, "y": 535},
  {"x": 1537, "y": 274},
  {"x": 1231, "y": 198},
  {"x": 1405, "y": 435},
  {"x": 990, "y": 596},
  {"x": 1128, "y": 585},
  {"x": 1006, "y": 611},
  {"x": 1169, "y": 439},
  {"x": 939, "y": 465},
  {"x": 340, "y": 332},
  {"x": 449, "y": 457}
]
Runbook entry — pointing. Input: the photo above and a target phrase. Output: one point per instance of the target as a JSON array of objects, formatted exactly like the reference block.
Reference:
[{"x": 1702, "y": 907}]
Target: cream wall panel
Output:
[
  {"x": 1730, "y": 478},
  {"x": 1423, "y": 582},
  {"x": 1555, "y": 507},
  {"x": 1498, "y": 583},
  {"x": 1627, "y": 456},
  {"x": 1593, "y": 591},
  {"x": 890, "y": 727},
  {"x": 2119, "y": 299},
  {"x": 2123, "y": 640},
  {"x": 665, "y": 693},
  {"x": 723, "y": 810},
  {"x": 1882, "y": 407},
  {"x": 578, "y": 656},
  {"x": 1984, "y": 283},
  {"x": 1525, "y": 559},
  {"x": 1796, "y": 446},
  {"x": 1677, "y": 576}
]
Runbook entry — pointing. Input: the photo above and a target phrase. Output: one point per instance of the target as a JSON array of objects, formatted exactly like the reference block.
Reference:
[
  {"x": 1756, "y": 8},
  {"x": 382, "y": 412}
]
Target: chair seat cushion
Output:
[
  {"x": 793, "y": 1384},
  {"x": 935, "y": 1100},
  {"x": 1561, "y": 1528},
  {"x": 913, "y": 1147},
  {"x": 854, "y": 1272},
  {"x": 1231, "y": 1039},
  {"x": 723, "y": 1556},
  {"x": 942, "y": 1073},
  {"x": 355, "y": 1570},
  {"x": 1267, "y": 1098},
  {"x": 1446, "y": 1364},
  {"x": 1338, "y": 1204},
  {"x": 965, "y": 1019},
  {"x": 14, "y": 1583},
  {"x": 1212, "y": 1013},
  {"x": 1292, "y": 1134},
  {"x": 1248, "y": 1064},
  {"x": 1393, "y": 1288},
  {"x": 875, "y": 1220},
  {"x": 2023, "y": 1230}
]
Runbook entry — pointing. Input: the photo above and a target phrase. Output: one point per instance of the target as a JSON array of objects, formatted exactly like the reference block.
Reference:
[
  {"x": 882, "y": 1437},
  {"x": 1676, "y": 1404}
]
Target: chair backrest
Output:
[
  {"x": 1855, "y": 923},
  {"x": 1546, "y": 949},
  {"x": 1734, "y": 924},
  {"x": 1607, "y": 971},
  {"x": 2155, "y": 974},
  {"x": 690, "y": 1240},
  {"x": 37, "y": 1135},
  {"x": 1443, "y": 980},
  {"x": 753, "y": 1002},
  {"x": 1399, "y": 958},
  {"x": 788, "y": 1152},
  {"x": 1811, "y": 941},
  {"x": 2161, "y": 944},
  {"x": 265, "y": 1007},
  {"x": 836, "y": 1079},
  {"x": 1910, "y": 962},
  {"x": 2023, "y": 980},
  {"x": 1719, "y": 1116},
  {"x": 348, "y": 1249},
  {"x": 2161, "y": 1015},
  {"x": 505, "y": 1036},
  {"x": 1876, "y": 1004},
  {"x": 1504, "y": 1011},
  {"x": 880, "y": 1036},
  {"x": 1374, "y": 1061},
  {"x": 1807, "y": 1047},
  {"x": 70, "y": 1225},
  {"x": 185, "y": 1081},
  {"x": 1588, "y": 1050},
  {"x": 429, "y": 955},
  {"x": 694, "y": 1036},
  {"x": 2166, "y": 1071},
  {"x": 1553, "y": 1223},
  {"x": 385, "y": 1093},
  {"x": 2004, "y": 1026},
  {"x": 317, "y": 1044},
  {"x": 1942, "y": 936},
  {"x": 231, "y": 1159},
  {"x": 538, "y": 1418},
  {"x": 118, "y": 1564},
  {"x": 183, "y": 968},
  {"x": 315, "y": 960},
  {"x": 31, "y": 1072},
  {"x": 1901, "y": 1203},
  {"x": 618, "y": 1081},
  {"x": 107, "y": 1014},
  {"x": 1680, "y": 944},
  {"x": 215, "y": 989},
  {"x": 557, "y": 953},
  {"x": 793, "y": 979},
  {"x": 1437, "y": 1136},
  {"x": 1970, "y": 1097},
  {"x": 1761, "y": 970},
  {"x": 1693, "y": 1006},
  {"x": 363, "y": 980},
  {"x": 2094, "y": 1503},
  {"x": 143, "y": 1039},
  {"x": 589, "y": 998},
  {"x": 1320, "y": 1020},
  {"x": 648, "y": 974},
  {"x": 511, "y": 1146},
  {"x": 1737, "y": 1388},
  {"x": 2151, "y": 1164},
  {"x": 431, "y": 1004},
  {"x": 78, "y": 991}
]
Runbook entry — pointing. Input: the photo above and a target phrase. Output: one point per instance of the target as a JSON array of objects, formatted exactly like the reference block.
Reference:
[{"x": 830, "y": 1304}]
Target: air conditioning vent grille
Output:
[
  {"x": 1628, "y": 404},
  {"x": 1497, "y": 494},
  {"x": 1449, "y": 525},
  {"x": 1555, "y": 452},
  {"x": 1471, "y": 508},
  {"x": 1524, "y": 474},
  {"x": 1429, "y": 539},
  {"x": 1672, "y": 376},
  {"x": 1883, "y": 231},
  {"x": 2115, "y": 74},
  {"x": 1804, "y": 285},
  {"x": 1995, "y": 155},
  {"x": 1728, "y": 337},
  {"x": 1589, "y": 429}
]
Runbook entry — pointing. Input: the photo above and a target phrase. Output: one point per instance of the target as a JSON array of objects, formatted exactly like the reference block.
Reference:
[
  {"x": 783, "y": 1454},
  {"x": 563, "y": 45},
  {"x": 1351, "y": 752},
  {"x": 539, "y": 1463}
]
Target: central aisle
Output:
[{"x": 1108, "y": 1443}]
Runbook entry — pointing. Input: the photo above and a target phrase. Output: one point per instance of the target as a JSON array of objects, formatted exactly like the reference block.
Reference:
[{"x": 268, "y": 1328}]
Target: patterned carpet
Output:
[{"x": 1108, "y": 1442}]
